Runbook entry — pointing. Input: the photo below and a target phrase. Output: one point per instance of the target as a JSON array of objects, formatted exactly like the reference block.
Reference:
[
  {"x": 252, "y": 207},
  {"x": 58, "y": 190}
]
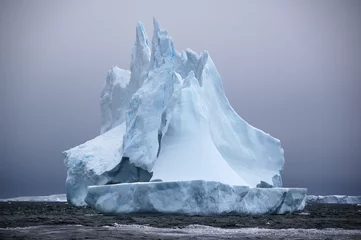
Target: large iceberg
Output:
[{"x": 168, "y": 119}]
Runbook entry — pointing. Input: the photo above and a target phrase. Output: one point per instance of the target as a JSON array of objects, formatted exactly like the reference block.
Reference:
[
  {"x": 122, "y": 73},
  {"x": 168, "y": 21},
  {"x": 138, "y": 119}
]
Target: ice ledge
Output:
[
  {"x": 334, "y": 199},
  {"x": 194, "y": 198}
]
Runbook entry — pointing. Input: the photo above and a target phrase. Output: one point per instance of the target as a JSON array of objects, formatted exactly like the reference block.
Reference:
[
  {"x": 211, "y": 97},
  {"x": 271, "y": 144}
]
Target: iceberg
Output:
[{"x": 167, "y": 123}]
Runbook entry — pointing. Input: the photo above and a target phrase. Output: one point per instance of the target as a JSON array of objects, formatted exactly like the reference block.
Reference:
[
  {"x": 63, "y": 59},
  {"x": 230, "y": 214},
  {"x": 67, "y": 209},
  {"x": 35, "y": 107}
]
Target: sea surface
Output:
[{"x": 40, "y": 220}]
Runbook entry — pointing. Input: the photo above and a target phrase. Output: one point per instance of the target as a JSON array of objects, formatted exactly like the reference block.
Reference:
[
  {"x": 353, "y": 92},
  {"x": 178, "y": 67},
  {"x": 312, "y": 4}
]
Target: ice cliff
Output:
[{"x": 168, "y": 119}]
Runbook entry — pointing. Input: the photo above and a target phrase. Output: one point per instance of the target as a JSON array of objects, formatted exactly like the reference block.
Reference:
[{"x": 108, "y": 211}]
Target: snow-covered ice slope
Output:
[
  {"x": 194, "y": 198},
  {"x": 50, "y": 198},
  {"x": 87, "y": 163},
  {"x": 336, "y": 199},
  {"x": 255, "y": 155},
  {"x": 187, "y": 150}
]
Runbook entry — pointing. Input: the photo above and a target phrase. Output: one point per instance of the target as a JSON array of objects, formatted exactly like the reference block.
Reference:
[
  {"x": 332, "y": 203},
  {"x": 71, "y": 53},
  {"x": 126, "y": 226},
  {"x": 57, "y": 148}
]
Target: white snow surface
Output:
[
  {"x": 334, "y": 199},
  {"x": 169, "y": 116},
  {"x": 50, "y": 198},
  {"x": 194, "y": 198}
]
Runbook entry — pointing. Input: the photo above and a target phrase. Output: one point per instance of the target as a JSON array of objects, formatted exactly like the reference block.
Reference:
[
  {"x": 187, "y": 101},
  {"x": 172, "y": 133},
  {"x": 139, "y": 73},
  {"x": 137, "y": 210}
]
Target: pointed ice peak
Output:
[
  {"x": 140, "y": 59},
  {"x": 200, "y": 67},
  {"x": 141, "y": 35},
  {"x": 162, "y": 46},
  {"x": 156, "y": 25},
  {"x": 191, "y": 54}
]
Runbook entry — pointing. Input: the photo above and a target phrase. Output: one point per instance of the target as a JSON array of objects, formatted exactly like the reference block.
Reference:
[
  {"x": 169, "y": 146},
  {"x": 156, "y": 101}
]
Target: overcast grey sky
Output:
[{"x": 290, "y": 68}]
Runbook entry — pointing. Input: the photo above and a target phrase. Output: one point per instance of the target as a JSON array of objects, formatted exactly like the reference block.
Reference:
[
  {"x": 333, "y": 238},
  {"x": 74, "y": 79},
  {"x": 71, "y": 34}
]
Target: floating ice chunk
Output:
[
  {"x": 50, "y": 198},
  {"x": 336, "y": 199}
]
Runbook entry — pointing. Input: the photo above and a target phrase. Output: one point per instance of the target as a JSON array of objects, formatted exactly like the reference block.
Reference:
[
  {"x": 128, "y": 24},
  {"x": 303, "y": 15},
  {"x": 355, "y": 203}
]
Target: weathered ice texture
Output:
[{"x": 194, "y": 198}]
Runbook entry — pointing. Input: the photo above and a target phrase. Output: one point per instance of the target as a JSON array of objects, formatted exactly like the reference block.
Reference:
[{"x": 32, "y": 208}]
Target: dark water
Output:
[{"x": 28, "y": 220}]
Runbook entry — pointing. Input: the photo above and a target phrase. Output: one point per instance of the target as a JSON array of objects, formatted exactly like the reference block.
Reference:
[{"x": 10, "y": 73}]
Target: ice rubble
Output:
[{"x": 169, "y": 119}]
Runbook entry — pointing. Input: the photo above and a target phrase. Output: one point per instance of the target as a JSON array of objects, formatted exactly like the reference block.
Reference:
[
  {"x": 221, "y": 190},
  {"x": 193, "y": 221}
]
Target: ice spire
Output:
[
  {"x": 140, "y": 59},
  {"x": 162, "y": 46}
]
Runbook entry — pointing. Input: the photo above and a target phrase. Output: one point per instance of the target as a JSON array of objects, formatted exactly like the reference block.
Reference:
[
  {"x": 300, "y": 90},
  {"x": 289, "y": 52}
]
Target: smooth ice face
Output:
[
  {"x": 255, "y": 155},
  {"x": 194, "y": 198}
]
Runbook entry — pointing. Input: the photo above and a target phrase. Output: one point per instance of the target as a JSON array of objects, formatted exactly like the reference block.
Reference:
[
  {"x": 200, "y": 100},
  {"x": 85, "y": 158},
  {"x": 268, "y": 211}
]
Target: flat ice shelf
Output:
[{"x": 196, "y": 197}]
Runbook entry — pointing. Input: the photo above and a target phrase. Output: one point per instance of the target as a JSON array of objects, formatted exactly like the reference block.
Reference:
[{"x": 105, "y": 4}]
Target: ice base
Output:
[{"x": 196, "y": 197}]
